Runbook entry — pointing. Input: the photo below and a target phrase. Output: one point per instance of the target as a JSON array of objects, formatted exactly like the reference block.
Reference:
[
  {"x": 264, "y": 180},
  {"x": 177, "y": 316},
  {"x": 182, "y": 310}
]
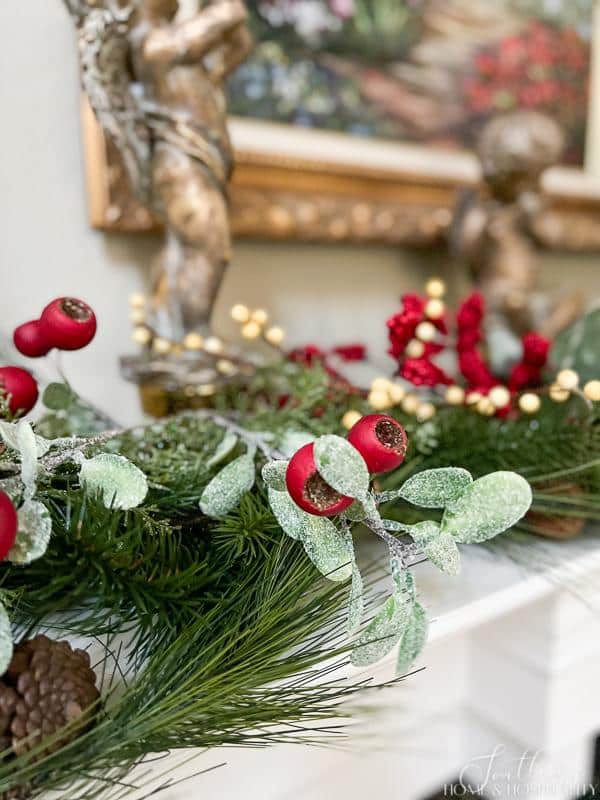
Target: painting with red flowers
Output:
[{"x": 428, "y": 71}]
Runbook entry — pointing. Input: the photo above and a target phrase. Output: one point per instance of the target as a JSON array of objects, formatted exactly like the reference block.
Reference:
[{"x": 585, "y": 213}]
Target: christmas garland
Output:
[{"x": 167, "y": 546}]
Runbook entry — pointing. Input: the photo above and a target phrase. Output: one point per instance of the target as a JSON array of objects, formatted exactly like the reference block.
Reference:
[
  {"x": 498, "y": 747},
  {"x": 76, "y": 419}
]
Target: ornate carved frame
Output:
[{"x": 317, "y": 186}]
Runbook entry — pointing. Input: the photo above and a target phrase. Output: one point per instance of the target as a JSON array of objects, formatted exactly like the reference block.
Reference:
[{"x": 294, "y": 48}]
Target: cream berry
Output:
[
  {"x": 8, "y": 525},
  {"x": 20, "y": 387},
  {"x": 68, "y": 323},
  {"x": 30, "y": 341},
  {"x": 308, "y": 489},
  {"x": 381, "y": 441}
]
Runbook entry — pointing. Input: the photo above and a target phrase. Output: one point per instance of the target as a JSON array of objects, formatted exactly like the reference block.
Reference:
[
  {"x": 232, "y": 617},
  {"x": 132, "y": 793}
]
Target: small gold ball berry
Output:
[
  {"x": 240, "y": 312},
  {"x": 193, "y": 341},
  {"x": 473, "y": 398},
  {"x": 425, "y": 331},
  {"x": 350, "y": 418},
  {"x": 251, "y": 330},
  {"x": 161, "y": 345},
  {"x": 435, "y": 288},
  {"x": 410, "y": 404},
  {"x": 414, "y": 349},
  {"x": 141, "y": 336},
  {"x": 529, "y": 403},
  {"x": 397, "y": 393},
  {"x": 592, "y": 391},
  {"x": 425, "y": 412},
  {"x": 259, "y": 316},
  {"x": 380, "y": 385},
  {"x": 435, "y": 308},
  {"x": 485, "y": 407},
  {"x": 455, "y": 395},
  {"x": 275, "y": 335},
  {"x": 557, "y": 394},
  {"x": 137, "y": 316},
  {"x": 499, "y": 396},
  {"x": 379, "y": 400},
  {"x": 226, "y": 367},
  {"x": 137, "y": 300},
  {"x": 567, "y": 379},
  {"x": 213, "y": 345}
]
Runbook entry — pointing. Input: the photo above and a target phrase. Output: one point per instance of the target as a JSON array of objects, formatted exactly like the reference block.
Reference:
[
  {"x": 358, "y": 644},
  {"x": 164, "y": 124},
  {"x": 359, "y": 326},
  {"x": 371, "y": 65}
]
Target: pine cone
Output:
[{"x": 47, "y": 685}]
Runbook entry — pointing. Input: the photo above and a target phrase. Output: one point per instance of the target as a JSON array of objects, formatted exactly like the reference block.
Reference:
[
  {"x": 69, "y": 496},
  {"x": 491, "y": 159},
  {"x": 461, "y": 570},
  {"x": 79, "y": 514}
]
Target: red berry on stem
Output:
[
  {"x": 9, "y": 524},
  {"x": 30, "y": 340},
  {"x": 380, "y": 440},
  {"x": 308, "y": 489},
  {"x": 68, "y": 323},
  {"x": 20, "y": 387}
]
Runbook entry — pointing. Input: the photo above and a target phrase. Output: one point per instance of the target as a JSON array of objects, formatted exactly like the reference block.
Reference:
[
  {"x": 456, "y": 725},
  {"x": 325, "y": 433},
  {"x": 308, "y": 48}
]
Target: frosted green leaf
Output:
[
  {"x": 8, "y": 432},
  {"x": 356, "y": 602},
  {"x": 444, "y": 554},
  {"x": 58, "y": 396},
  {"x": 576, "y": 347},
  {"x": 228, "y": 487},
  {"x": 6, "y": 641},
  {"x": 327, "y": 548},
  {"x": 273, "y": 474},
  {"x": 225, "y": 448},
  {"x": 424, "y": 532},
  {"x": 33, "y": 537},
  {"x": 28, "y": 450},
  {"x": 383, "y": 633},
  {"x": 342, "y": 466},
  {"x": 356, "y": 512},
  {"x": 292, "y": 441},
  {"x": 436, "y": 488},
  {"x": 121, "y": 483},
  {"x": 489, "y": 506},
  {"x": 291, "y": 518},
  {"x": 413, "y": 640}
]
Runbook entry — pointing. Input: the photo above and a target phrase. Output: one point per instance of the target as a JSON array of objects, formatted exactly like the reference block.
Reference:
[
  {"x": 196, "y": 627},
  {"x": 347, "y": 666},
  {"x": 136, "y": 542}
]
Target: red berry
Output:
[
  {"x": 308, "y": 489},
  {"x": 21, "y": 388},
  {"x": 68, "y": 323},
  {"x": 380, "y": 440},
  {"x": 8, "y": 524},
  {"x": 30, "y": 341}
]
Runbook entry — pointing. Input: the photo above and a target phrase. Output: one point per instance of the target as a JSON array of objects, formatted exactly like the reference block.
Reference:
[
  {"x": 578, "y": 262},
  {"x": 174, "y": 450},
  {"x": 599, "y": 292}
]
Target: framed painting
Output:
[{"x": 355, "y": 119}]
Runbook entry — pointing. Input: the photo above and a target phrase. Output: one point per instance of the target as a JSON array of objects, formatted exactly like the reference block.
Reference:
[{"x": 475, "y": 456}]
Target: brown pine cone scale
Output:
[{"x": 47, "y": 685}]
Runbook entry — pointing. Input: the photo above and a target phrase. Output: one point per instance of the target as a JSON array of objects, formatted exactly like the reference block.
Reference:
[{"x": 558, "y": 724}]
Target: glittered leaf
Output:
[
  {"x": 290, "y": 517},
  {"x": 121, "y": 483},
  {"x": 58, "y": 396},
  {"x": 413, "y": 640},
  {"x": 273, "y": 474},
  {"x": 342, "y": 466},
  {"x": 383, "y": 632},
  {"x": 444, "y": 554},
  {"x": 327, "y": 548},
  {"x": 228, "y": 487},
  {"x": 292, "y": 441},
  {"x": 356, "y": 602},
  {"x": 436, "y": 488},
  {"x": 225, "y": 448},
  {"x": 33, "y": 537},
  {"x": 28, "y": 451},
  {"x": 576, "y": 347},
  {"x": 424, "y": 532},
  {"x": 8, "y": 432},
  {"x": 489, "y": 506},
  {"x": 356, "y": 512},
  {"x": 6, "y": 641}
]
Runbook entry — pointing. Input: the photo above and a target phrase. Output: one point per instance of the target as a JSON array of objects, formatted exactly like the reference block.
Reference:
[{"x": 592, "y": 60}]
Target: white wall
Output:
[{"x": 323, "y": 294}]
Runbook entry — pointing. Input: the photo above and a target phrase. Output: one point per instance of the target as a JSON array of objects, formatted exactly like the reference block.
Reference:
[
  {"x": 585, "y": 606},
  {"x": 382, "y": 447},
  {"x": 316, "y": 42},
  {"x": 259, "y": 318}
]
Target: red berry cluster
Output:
[
  {"x": 543, "y": 67},
  {"x": 469, "y": 321},
  {"x": 8, "y": 525},
  {"x": 419, "y": 369},
  {"x": 527, "y": 373},
  {"x": 381, "y": 441},
  {"x": 66, "y": 323}
]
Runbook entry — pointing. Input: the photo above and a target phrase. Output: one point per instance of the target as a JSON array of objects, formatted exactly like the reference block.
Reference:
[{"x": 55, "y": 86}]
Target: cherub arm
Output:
[
  {"x": 235, "y": 48},
  {"x": 189, "y": 41}
]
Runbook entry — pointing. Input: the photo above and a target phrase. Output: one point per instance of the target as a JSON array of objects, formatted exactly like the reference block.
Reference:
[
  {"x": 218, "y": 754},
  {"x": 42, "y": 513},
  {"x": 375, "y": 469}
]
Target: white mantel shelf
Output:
[{"x": 512, "y": 666}]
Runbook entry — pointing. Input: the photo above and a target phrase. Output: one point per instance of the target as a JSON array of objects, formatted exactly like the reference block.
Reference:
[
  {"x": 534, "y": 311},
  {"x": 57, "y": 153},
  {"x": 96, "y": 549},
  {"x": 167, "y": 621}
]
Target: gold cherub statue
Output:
[{"x": 155, "y": 83}]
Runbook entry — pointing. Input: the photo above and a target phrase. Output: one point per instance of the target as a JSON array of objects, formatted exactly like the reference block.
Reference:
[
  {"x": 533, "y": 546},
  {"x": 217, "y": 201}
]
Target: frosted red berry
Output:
[
  {"x": 68, "y": 323},
  {"x": 20, "y": 387},
  {"x": 9, "y": 525},
  {"x": 381, "y": 441},
  {"x": 30, "y": 340},
  {"x": 308, "y": 489}
]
